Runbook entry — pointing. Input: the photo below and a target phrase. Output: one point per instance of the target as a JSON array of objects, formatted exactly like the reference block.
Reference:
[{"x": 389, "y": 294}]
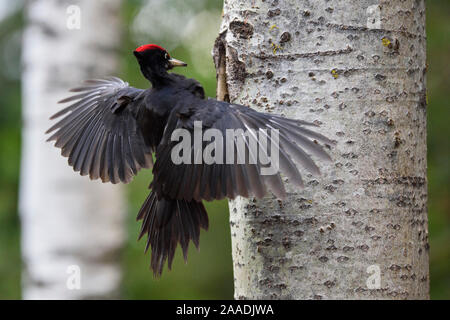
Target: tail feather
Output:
[{"x": 167, "y": 222}]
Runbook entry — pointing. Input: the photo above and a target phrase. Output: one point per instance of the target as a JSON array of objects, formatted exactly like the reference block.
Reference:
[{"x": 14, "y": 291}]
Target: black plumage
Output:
[{"x": 110, "y": 131}]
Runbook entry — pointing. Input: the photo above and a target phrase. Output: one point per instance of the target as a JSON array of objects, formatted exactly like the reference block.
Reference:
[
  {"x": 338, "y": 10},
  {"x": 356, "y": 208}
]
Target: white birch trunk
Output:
[
  {"x": 70, "y": 226},
  {"x": 357, "y": 68}
]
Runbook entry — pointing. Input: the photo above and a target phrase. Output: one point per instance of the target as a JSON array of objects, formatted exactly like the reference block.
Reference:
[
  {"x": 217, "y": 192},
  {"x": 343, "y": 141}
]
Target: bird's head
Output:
[{"x": 156, "y": 58}]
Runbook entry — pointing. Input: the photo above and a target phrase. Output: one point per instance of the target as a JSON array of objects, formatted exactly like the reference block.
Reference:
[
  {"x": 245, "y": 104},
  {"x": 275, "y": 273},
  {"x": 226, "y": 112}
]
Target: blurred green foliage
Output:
[
  {"x": 10, "y": 125},
  {"x": 438, "y": 43},
  {"x": 209, "y": 275}
]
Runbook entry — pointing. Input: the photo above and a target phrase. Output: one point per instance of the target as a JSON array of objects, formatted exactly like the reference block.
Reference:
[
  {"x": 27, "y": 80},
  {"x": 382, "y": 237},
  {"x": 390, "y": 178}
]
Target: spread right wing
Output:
[
  {"x": 242, "y": 176},
  {"x": 102, "y": 131}
]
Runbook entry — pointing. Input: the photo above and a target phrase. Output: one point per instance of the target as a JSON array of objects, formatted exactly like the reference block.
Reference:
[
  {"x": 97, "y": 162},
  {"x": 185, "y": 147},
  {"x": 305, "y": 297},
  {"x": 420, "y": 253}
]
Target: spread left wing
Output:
[{"x": 102, "y": 130}]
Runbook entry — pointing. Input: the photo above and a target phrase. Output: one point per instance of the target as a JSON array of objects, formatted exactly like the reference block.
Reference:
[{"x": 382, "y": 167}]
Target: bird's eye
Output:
[{"x": 166, "y": 56}]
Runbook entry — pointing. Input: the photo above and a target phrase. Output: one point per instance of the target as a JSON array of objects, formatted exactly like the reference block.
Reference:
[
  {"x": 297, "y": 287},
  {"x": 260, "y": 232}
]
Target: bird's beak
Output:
[{"x": 177, "y": 63}]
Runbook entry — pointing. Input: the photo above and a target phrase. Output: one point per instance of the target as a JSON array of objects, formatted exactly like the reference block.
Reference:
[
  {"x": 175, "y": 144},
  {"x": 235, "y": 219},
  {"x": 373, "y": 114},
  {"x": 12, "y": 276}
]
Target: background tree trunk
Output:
[
  {"x": 70, "y": 225},
  {"x": 357, "y": 68}
]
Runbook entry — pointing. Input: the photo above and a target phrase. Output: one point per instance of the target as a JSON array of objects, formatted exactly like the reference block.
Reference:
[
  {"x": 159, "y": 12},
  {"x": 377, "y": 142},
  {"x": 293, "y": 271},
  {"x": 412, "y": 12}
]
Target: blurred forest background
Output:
[{"x": 188, "y": 29}]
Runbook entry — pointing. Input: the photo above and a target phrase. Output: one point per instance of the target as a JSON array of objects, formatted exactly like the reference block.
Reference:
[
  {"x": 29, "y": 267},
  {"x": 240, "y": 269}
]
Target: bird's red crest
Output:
[{"x": 149, "y": 47}]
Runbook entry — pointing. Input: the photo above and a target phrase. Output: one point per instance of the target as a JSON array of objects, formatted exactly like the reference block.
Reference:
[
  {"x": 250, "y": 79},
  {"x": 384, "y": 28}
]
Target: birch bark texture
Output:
[
  {"x": 72, "y": 228},
  {"x": 357, "y": 69}
]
